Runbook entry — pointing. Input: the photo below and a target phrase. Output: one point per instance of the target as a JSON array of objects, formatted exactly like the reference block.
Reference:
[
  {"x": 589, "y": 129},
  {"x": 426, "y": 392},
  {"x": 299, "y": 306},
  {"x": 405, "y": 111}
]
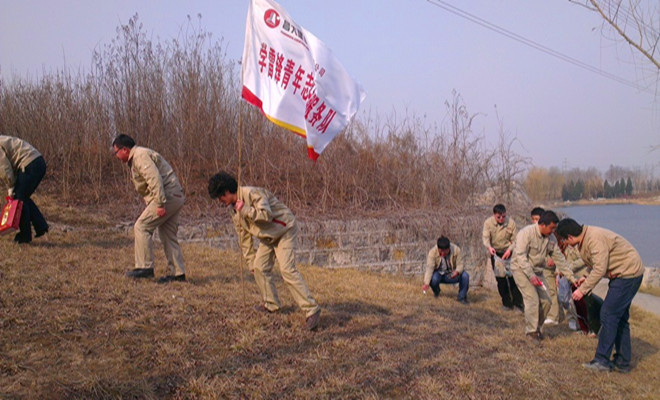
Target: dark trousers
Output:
[
  {"x": 463, "y": 280},
  {"x": 26, "y": 183},
  {"x": 615, "y": 330},
  {"x": 508, "y": 290},
  {"x": 588, "y": 311}
]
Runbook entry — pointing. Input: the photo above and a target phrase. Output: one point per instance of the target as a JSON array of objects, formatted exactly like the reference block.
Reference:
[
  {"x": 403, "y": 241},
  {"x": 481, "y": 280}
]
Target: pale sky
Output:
[{"x": 409, "y": 55}]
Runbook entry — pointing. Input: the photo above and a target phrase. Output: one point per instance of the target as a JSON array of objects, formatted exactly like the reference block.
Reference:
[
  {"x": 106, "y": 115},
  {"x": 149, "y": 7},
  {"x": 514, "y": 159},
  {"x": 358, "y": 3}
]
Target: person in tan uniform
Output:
[
  {"x": 549, "y": 272},
  {"x": 256, "y": 212},
  {"x": 534, "y": 244},
  {"x": 22, "y": 168},
  {"x": 608, "y": 255},
  {"x": 498, "y": 237},
  {"x": 444, "y": 264},
  {"x": 156, "y": 182}
]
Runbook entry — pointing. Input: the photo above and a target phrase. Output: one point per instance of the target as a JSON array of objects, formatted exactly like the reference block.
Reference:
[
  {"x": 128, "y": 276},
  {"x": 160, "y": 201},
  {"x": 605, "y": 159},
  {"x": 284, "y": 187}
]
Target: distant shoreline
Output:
[{"x": 645, "y": 201}]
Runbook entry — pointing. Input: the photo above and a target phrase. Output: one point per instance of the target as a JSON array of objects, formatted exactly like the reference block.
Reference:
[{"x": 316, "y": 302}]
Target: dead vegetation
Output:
[
  {"x": 181, "y": 98},
  {"x": 74, "y": 327}
]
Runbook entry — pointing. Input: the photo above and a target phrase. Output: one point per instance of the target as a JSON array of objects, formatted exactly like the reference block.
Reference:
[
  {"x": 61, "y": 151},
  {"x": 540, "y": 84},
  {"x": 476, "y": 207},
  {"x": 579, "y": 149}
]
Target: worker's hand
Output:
[
  {"x": 506, "y": 255},
  {"x": 535, "y": 281},
  {"x": 425, "y": 287},
  {"x": 491, "y": 251},
  {"x": 577, "y": 295},
  {"x": 239, "y": 205},
  {"x": 580, "y": 281},
  {"x": 161, "y": 211},
  {"x": 454, "y": 274},
  {"x": 551, "y": 262}
]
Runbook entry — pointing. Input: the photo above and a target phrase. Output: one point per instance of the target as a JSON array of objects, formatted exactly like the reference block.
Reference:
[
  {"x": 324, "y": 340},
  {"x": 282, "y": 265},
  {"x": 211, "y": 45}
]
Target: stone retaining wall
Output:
[{"x": 388, "y": 245}]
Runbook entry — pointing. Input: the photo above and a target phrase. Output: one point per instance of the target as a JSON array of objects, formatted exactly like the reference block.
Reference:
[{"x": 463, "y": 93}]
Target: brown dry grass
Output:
[{"x": 74, "y": 327}]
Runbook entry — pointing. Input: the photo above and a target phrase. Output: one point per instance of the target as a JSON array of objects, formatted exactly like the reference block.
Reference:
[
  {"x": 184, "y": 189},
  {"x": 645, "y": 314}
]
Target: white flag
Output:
[{"x": 294, "y": 78}]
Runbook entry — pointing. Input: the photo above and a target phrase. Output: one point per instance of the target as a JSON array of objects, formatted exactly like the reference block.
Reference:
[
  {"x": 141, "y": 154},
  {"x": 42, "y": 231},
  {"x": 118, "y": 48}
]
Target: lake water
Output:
[{"x": 639, "y": 224}]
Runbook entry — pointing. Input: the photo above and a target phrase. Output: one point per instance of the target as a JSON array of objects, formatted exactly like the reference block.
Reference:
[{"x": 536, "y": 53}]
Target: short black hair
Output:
[
  {"x": 221, "y": 183},
  {"x": 499, "y": 209},
  {"x": 548, "y": 217},
  {"x": 568, "y": 226},
  {"x": 443, "y": 243},
  {"x": 537, "y": 211},
  {"x": 123, "y": 141}
]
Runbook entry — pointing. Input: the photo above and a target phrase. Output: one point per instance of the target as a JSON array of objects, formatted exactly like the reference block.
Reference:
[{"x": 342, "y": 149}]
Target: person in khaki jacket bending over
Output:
[
  {"x": 608, "y": 255},
  {"x": 444, "y": 264},
  {"x": 534, "y": 244},
  {"x": 257, "y": 212},
  {"x": 156, "y": 182},
  {"x": 21, "y": 169},
  {"x": 498, "y": 237}
]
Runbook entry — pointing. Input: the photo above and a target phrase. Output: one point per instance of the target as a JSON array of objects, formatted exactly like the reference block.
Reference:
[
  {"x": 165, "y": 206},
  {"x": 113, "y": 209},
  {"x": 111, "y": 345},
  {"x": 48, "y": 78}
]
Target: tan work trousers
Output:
[
  {"x": 167, "y": 226},
  {"x": 556, "y": 313},
  {"x": 282, "y": 250},
  {"x": 536, "y": 299}
]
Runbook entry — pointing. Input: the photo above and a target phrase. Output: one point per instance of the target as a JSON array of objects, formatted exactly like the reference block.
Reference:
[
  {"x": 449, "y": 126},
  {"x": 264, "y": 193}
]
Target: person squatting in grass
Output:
[
  {"x": 498, "y": 237},
  {"x": 257, "y": 212},
  {"x": 584, "y": 314},
  {"x": 444, "y": 264},
  {"x": 155, "y": 181},
  {"x": 534, "y": 244},
  {"x": 22, "y": 168},
  {"x": 608, "y": 255}
]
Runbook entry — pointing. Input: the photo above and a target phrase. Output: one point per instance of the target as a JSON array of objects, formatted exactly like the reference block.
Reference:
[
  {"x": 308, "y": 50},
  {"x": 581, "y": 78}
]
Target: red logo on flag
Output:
[{"x": 272, "y": 18}]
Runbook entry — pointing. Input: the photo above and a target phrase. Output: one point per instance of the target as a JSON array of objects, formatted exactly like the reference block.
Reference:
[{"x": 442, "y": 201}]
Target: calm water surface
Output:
[{"x": 639, "y": 224}]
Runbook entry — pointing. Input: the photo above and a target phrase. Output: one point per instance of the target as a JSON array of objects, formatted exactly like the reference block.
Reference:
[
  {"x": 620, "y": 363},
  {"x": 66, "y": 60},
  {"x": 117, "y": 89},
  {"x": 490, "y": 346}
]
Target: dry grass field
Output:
[{"x": 73, "y": 327}]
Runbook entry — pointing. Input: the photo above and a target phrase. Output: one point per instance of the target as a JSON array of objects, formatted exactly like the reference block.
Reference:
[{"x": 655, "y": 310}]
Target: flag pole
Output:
[{"x": 241, "y": 264}]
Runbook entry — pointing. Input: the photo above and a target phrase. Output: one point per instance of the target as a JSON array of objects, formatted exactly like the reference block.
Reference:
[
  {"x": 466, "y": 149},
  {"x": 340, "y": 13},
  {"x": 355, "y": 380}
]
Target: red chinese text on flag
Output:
[{"x": 294, "y": 78}]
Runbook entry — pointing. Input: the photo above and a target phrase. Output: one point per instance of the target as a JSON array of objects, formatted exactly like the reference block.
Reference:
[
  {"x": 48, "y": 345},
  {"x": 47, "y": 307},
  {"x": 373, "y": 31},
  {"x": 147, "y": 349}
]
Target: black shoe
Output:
[
  {"x": 596, "y": 366},
  {"x": 621, "y": 370},
  {"x": 534, "y": 335},
  {"x": 20, "y": 239},
  {"x": 616, "y": 366},
  {"x": 312, "y": 321},
  {"x": 172, "y": 278},
  {"x": 140, "y": 273},
  {"x": 463, "y": 301},
  {"x": 40, "y": 233}
]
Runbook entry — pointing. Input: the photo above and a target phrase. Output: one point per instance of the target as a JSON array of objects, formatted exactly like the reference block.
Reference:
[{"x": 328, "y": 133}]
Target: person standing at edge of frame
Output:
[
  {"x": 608, "y": 255},
  {"x": 22, "y": 168},
  {"x": 257, "y": 212},
  {"x": 155, "y": 181}
]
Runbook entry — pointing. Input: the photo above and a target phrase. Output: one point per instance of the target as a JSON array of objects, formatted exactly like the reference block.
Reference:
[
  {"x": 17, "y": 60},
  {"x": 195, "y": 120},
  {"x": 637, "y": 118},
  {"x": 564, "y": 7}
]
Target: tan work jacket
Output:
[
  {"x": 434, "y": 261},
  {"x": 262, "y": 216},
  {"x": 153, "y": 178},
  {"x": 15, "y": 155},
  {"x": 575, "y": 262},
  {"x": 607, "y": 254},
  {"x": 532, "y": 250},
  {"x": 500, "y": 237}
]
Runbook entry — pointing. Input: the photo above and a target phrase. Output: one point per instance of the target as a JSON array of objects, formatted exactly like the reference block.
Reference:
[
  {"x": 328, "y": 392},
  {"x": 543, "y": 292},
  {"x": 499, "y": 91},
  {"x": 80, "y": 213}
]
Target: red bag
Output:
[{"x": 11, "y": 216}]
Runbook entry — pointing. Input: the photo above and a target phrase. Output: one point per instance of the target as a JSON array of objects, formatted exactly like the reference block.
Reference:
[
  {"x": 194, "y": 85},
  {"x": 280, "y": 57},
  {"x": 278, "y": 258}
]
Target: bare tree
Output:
[{"x": 636, "y": 21}]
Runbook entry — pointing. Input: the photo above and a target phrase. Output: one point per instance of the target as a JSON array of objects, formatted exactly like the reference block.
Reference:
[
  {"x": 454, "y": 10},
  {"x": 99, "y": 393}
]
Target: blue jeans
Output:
[
  {"x": 463, "y": 280},
  {"x": 615, "y": 330}
]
